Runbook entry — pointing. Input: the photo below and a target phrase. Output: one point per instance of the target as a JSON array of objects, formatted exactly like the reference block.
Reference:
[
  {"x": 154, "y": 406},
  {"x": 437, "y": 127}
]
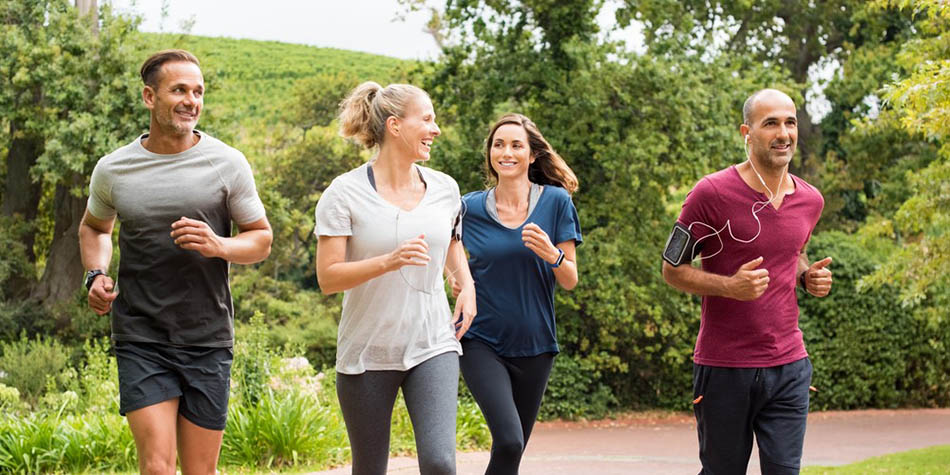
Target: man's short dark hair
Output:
[{"x": 153, "y": 65}]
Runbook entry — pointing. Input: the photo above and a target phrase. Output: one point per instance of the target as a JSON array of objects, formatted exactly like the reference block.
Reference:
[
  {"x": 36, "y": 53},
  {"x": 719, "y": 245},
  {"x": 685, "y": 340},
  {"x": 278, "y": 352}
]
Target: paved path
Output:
[{"x": 667, "y": 444}]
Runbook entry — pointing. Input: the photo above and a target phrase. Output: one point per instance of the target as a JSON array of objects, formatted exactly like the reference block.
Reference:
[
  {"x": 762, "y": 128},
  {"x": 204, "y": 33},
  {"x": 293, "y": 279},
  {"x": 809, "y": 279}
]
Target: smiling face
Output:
[
  {"x": 510, "y": 152},
  {"x": 176, "y": 100},
  {"x": 417, "y": 129},
  {"x": 772, "y": 131}
]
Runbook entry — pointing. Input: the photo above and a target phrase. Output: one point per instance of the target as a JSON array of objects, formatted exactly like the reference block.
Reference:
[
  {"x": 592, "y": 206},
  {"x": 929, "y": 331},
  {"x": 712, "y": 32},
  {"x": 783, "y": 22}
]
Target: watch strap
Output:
[
  {"x": 91, "y": 277},
  {"x": 560, "y": 259}
]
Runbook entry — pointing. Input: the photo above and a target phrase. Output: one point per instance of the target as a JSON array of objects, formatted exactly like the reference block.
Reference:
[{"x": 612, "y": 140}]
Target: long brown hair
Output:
[{"x": 548, "y": 167}]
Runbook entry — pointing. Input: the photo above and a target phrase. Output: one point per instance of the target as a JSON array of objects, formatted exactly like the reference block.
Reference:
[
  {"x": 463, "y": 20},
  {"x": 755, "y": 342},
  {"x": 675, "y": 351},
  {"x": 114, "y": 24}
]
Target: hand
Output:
[
  {"x": 538, "y": 241},
  {"x": 818, "y": 278},
  {"x": 456, "y": 286},
  {"x": 101, "y": 294},
  {"x": 195, "y": 235},
  {"x": 748, "y": 283},
  {"x": 411, "y": 252},
  {"x": 465, "y": 310}
]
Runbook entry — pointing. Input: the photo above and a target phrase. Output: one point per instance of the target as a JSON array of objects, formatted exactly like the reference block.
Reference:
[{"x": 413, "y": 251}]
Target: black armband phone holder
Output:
[{"x": 680, "y": 246}]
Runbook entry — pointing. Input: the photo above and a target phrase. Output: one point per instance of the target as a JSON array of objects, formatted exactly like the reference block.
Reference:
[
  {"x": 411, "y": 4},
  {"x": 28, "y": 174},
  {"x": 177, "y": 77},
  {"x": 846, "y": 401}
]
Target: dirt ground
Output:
[{"x": 666, "y": 444}]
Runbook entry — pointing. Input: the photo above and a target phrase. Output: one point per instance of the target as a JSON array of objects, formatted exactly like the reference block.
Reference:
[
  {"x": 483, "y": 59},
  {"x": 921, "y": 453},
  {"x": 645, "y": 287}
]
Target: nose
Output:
[
  {"x": 783, "y": 131},
  {"x": 436, "y": 131}
]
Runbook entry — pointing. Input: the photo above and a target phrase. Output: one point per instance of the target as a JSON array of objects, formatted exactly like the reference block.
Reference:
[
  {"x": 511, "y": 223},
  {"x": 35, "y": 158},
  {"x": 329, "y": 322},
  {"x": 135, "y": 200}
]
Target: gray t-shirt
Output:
[
  {"x": 401, "y": 318},
  {"x": 169, "y": 295}
]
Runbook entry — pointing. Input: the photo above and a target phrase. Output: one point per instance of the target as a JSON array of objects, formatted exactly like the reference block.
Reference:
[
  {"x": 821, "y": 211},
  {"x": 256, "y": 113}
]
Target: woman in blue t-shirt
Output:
[{"x": 520, "y": 236}]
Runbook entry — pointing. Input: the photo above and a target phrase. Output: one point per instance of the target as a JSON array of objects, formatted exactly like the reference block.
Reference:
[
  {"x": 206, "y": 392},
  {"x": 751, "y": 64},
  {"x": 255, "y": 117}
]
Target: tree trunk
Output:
[
  {"x": 21, "y": 198},
  {"x": 64, "y": 271},
  {"x": 21, "y": 195},
  {"x": 89, "y": 7}
]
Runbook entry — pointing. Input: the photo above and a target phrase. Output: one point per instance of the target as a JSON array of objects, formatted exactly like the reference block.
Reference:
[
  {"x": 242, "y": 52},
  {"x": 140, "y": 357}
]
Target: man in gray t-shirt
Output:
[{"x": 176, "y": 192}]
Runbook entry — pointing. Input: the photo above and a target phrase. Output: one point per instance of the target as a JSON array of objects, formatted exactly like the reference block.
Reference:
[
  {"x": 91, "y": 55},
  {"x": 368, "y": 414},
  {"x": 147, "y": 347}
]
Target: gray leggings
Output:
[{"x": 431, "y": 393}]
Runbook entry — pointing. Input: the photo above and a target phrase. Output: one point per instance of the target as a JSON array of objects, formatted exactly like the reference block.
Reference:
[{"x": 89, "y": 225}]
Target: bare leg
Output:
[
  {"x": 153, "y": 428},
  {"x": 198, "y": 448}
]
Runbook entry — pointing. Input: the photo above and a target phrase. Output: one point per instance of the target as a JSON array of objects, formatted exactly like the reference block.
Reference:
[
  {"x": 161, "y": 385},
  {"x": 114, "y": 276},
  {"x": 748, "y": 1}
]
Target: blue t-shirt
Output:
[{"x": 514, "y": 287}]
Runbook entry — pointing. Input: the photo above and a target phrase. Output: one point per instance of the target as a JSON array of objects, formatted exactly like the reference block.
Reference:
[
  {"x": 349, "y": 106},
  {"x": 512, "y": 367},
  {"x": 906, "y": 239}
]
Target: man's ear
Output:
[
  {"x": 148, "y": 96},
  {"x": 744, "y": 130}
]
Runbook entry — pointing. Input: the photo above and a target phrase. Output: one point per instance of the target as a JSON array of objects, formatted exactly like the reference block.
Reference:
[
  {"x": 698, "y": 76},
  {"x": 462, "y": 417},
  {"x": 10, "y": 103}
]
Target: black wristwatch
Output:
[
  {"x": 802, "y": 280},
  {"x": 91, "y": 277}
]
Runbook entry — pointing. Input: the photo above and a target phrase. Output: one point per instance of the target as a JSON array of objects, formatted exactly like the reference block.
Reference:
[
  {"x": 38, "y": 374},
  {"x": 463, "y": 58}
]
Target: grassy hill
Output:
[{"x": 251, "y": 82}]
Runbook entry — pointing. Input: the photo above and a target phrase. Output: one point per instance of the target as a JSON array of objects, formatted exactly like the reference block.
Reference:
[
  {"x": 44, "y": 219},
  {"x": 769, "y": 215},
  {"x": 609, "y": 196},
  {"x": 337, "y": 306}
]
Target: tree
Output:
[
  {"x": 69, "y": 97},
  {"x": 922, "y": 222},
  {"x": 797, "y": 35}
]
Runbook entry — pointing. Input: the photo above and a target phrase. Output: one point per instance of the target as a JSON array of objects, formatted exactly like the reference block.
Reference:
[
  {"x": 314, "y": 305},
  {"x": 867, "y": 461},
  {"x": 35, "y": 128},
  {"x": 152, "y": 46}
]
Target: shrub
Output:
[
  {"x": 28, "y": 364},
  {"x": 868, "y": 350},
  {"x": 575, "y": 391}
]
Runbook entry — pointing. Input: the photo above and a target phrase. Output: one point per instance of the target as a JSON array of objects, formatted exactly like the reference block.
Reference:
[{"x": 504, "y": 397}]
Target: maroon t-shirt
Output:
[{"x": 763, "y": 332}]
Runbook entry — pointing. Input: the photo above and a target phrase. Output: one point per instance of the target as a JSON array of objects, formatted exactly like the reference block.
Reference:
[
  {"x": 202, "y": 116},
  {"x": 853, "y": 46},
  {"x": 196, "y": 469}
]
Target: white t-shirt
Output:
[{"x": 401, "y": 318}]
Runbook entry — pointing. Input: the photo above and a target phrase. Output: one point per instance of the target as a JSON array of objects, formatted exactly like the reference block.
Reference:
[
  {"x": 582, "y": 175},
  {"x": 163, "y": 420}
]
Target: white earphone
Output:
[{"x": 756, "y": 208}]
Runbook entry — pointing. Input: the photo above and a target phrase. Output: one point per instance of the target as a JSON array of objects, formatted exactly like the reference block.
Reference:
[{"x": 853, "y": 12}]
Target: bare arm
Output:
[
  {"x": 335, "y": 274},
  {"x": 748, "y": 283},
  {"x": 456, "y": 266},
  {"x": 250, "y": 245},
  {"x": 538, "y": 241},
  {"x": 566, "y": 273},
  {"x": 95, "y": 249}
]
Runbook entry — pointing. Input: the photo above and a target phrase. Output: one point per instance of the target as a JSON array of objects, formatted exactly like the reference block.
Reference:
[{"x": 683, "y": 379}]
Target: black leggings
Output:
[{"x": 509, "y": 392}]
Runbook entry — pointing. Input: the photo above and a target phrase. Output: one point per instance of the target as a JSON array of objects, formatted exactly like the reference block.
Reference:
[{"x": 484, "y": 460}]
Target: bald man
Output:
[{"x": 749, "y": 224}]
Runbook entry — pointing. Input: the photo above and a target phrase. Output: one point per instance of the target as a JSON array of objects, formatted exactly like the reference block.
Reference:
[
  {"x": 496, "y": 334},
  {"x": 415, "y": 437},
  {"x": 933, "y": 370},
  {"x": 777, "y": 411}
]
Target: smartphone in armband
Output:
[{"x": 679, "y": 246}]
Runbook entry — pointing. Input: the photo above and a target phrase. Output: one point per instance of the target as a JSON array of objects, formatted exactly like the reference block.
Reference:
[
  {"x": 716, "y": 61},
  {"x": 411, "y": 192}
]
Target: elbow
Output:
[
  {"x": 267, "y": 244},
  {"x": 326, "y": 288},
  {"x": 569, "y": 284}
]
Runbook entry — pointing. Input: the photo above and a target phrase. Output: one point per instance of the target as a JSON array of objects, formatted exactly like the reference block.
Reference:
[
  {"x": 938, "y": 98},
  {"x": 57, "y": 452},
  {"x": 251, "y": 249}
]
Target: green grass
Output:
[
  {"x": 251, "y": 82},
  {"x": 932, "y": 460}
]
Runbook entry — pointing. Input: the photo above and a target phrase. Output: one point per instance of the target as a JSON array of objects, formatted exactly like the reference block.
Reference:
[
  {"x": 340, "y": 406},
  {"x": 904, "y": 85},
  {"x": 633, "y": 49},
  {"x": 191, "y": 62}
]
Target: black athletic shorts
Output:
[{"x": 150, "y": 373}]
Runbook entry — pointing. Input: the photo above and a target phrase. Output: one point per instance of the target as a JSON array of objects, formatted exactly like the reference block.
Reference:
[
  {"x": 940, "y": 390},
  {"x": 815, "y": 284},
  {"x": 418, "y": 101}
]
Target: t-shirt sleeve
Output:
[
  {"x": 332, "y": 215},
  {"x": 243, "y": 200},
  {"x": 698, "y": 208},
  {"x": 100, "y": 194},
  {"x": 569, "y": 225}
]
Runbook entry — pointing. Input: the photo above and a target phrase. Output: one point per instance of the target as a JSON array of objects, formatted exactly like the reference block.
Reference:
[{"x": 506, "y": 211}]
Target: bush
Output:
[
  {"x": 868, "y": 350},
  {"x": 575, "y": 390},
  {"x": 295, "y": 317},
  {"x": 28, "y": 364}
]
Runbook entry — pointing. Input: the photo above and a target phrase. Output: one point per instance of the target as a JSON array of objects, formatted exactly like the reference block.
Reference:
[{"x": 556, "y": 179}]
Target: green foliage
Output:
[
  {"x": 284, "y": 429},
  {"x": 29, "y": 364},
  {"x": 296, "y": 318},
  {"x": 44, "y": 442},
  {"x": 575, "y": 390},
  {"x": 868, "y": 350}
]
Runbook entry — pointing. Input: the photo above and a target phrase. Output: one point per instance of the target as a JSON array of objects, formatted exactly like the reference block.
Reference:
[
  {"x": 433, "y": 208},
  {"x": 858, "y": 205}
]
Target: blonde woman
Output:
[
  {"x": 386, "y": 232},
  {"x": 520, "y": 236}
]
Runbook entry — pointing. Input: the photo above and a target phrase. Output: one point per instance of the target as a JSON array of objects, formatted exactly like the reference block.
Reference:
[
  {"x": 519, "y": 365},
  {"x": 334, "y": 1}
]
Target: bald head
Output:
[{"x": 750, "y": 108}]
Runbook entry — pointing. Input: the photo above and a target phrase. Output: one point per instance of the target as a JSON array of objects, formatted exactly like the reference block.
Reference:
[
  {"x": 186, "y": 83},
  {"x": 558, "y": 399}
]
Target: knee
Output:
[
  {"x": 438, "y": 464},
  {"x": 508, "y": 450},
  {"x": 157, "y": 465}
]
